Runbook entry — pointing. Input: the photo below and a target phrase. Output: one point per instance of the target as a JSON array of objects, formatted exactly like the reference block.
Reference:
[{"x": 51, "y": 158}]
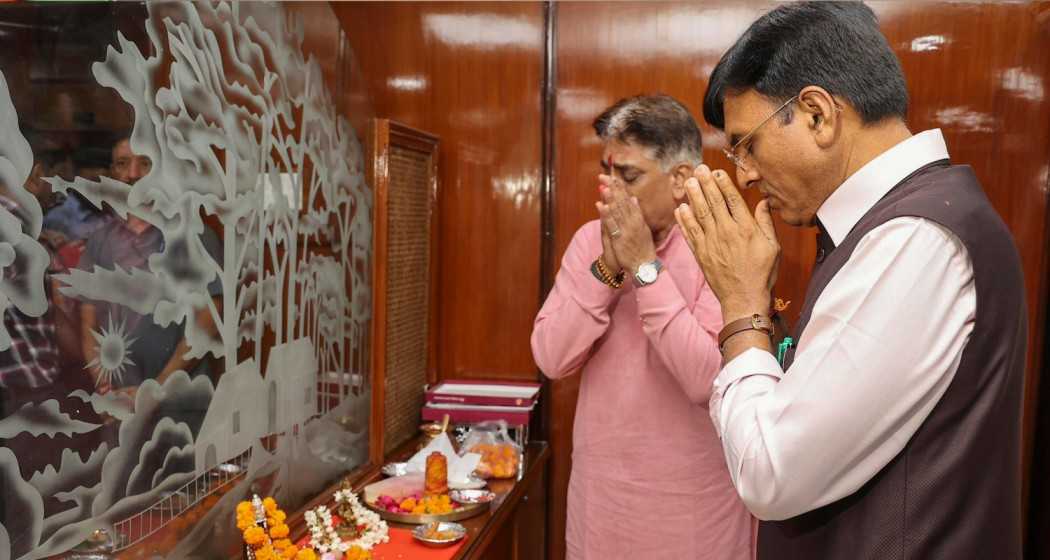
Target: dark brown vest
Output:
[{"x": 954, "y": 491}]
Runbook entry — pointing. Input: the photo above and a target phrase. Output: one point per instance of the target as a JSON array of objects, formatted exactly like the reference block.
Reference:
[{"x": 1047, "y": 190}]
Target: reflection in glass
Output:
[{"x": 185, "y": 242}]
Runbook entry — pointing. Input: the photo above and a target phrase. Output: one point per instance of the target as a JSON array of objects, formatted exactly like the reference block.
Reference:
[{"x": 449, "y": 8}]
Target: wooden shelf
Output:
[{"x": 516, "y": 521}]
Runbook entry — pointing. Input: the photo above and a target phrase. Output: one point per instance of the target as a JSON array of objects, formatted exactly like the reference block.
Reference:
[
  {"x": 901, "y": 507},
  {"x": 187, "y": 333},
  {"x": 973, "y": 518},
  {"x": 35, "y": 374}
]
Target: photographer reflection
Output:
[
  {"x": 123, "y": 348},
  {"x": 72, "y": 219}
]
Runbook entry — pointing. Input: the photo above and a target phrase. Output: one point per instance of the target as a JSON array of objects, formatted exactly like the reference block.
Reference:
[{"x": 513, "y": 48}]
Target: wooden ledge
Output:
[{"x": 480, "y": 529}]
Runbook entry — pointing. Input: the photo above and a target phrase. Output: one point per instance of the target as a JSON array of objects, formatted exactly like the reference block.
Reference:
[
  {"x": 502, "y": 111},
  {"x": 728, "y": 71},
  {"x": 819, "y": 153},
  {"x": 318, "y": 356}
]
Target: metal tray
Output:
[
  {"x": 465, "y": 512},
  {"x": 471, "y": 496},
  {"x": 458, "y": 533}
]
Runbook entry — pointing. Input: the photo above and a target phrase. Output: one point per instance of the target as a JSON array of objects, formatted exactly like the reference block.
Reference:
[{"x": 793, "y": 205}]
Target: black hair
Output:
[
  {"x": 119, "y": 135},
  {"x": 659, "y": 122},
  {"x": 835, "y": 45}
]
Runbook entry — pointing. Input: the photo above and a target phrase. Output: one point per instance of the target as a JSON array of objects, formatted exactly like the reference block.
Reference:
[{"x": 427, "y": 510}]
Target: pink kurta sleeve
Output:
[
  {"x": 576, "y": 312},
  {"x": 686, "y": 340}
]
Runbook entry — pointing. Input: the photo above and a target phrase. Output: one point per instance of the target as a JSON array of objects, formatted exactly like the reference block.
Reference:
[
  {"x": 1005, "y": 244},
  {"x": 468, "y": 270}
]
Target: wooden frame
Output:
[{"x": 386, "y": 133}]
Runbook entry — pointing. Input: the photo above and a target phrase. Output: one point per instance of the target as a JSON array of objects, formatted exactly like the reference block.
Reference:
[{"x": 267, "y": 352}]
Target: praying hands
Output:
[{"x": 738, "y": 252}]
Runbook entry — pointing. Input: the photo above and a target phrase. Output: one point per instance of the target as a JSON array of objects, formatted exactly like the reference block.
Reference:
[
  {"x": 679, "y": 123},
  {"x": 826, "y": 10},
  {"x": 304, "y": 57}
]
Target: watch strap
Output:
[{"x": 754, "y": 322}]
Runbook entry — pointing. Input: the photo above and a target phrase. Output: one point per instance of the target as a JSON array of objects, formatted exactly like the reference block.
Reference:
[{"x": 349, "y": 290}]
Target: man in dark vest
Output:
[{"x": 893, "y": 429}]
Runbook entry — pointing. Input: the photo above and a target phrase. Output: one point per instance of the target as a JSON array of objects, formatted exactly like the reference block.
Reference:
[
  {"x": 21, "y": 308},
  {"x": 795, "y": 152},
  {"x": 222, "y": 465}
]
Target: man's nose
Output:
[
  {"x": 136, "y": 170},
  {"x": 747, "y": 178}
]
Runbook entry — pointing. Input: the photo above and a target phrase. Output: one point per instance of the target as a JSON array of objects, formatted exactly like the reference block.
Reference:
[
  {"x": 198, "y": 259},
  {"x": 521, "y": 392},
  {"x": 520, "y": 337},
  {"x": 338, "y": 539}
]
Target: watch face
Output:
[{"x": 647, "y": 273}]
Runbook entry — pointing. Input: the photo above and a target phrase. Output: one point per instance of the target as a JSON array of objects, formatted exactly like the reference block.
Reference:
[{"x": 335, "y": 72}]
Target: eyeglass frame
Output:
[{"x": 731, "y": 152}]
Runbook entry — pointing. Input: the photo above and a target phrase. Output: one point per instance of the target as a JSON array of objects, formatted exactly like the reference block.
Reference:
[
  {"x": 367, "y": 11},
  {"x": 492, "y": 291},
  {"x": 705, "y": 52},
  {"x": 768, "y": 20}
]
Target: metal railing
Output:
[{"x": 133, "y": 530}]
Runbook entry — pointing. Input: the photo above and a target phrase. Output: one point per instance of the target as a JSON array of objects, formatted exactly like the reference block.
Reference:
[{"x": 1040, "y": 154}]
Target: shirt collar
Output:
[{"x": 860, "y": 191}]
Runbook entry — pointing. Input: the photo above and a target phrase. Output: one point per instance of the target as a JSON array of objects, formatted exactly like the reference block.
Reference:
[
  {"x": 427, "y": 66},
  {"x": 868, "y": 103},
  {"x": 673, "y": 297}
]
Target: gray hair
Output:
[{"x": 658, "y": 122}]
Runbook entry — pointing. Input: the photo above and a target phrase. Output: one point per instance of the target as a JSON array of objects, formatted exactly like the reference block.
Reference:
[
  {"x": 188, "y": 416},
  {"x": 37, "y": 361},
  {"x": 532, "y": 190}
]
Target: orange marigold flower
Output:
[
  {"x": 282, "y": 544},
  {"x": 306, "y": 554},
  {"x": 290, "y": 552},
  {"x": 244, "y": 507},
  {"x": 270, "y": 504},
  {"x": 254, "y": 536},
  {"x": 279, "y": 531},
  {"x": 357, "y": 553},
  {"x": 279, "y": 515},
  {"x": 265, "y": 553}
]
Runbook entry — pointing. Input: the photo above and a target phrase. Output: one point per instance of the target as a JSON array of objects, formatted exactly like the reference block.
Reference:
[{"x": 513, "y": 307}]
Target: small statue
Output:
[
  {"x": 350, "y": 528},
  {"x": 260, "y": 511}
]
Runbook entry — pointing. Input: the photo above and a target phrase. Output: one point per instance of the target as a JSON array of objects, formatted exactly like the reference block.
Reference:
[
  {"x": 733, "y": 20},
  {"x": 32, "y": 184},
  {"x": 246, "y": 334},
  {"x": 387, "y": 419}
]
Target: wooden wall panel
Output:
[
  {"x": 471, "y": 74},
  {"x": 606, "y": 52},
  {"x": 978, "y": 71}
]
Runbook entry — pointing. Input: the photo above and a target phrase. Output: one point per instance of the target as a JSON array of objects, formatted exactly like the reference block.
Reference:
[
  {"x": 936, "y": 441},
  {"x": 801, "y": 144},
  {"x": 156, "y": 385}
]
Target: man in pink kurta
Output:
[{"x": 649, "y": 478}]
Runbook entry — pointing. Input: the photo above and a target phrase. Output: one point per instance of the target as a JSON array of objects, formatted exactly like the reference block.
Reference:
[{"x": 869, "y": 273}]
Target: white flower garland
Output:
[
  {"x": 376, "y": 530},
  {"x": 324, "y": 536}
]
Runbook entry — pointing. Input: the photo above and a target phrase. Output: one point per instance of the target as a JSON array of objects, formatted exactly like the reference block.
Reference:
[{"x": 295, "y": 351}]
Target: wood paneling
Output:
[
  {"x": 606, "y": 52},
  {"x": 977, "y": 71},
  {"x": 471, "y": 74},
  {"x": 980, "y": 72}
]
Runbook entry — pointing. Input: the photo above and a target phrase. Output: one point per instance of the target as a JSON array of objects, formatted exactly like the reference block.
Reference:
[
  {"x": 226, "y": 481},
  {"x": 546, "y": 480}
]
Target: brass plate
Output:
[{"x": 465, "y": 512}]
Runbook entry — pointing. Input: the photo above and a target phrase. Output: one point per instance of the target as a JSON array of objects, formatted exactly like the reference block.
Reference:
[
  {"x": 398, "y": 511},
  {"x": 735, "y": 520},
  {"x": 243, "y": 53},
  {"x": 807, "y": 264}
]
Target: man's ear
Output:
[
  {"x": 821, "y": 113},
  {"x": 679, "y": 175}
]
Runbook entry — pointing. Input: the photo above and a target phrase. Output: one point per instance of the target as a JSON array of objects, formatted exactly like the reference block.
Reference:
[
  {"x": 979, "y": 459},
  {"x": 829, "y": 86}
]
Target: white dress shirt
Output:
[{"x": 882, "y": 345}]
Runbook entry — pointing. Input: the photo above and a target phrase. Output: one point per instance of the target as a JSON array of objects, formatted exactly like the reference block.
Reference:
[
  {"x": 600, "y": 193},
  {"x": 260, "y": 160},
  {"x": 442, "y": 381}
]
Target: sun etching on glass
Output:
[{"x": 114, "y": 351}]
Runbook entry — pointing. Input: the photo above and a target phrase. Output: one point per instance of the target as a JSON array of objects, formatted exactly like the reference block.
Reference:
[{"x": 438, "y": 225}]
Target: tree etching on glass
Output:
[
  {"x": 240, "y": 130},
  {"x": 22, "y": 258}
]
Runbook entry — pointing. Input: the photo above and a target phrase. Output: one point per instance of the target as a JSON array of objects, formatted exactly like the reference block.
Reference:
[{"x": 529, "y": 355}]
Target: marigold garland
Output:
[
  {"x": 254, "y": 536},
  {"x": 276, "y": 518},
  {"x": 279, "y": 531},
  {"x": 358, "y": 553},
  {"x": 245, "y": 516},
  {"x": 271, "y": 544}
]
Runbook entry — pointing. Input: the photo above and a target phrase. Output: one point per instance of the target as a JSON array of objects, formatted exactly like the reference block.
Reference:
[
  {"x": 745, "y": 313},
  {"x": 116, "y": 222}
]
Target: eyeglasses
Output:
[{"x": 742, "y": 158}]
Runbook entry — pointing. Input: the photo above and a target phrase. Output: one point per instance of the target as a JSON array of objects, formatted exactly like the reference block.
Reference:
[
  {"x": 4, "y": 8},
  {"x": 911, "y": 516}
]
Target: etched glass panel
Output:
[{"x": 185, "y": 248}]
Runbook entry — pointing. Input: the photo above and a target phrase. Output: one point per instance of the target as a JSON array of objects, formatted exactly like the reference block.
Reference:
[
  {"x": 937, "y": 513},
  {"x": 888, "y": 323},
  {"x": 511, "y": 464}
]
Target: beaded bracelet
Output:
[{"x": 602, "y": 273}]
